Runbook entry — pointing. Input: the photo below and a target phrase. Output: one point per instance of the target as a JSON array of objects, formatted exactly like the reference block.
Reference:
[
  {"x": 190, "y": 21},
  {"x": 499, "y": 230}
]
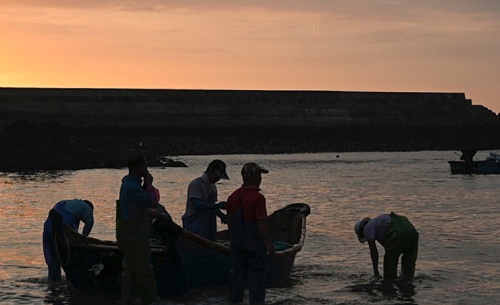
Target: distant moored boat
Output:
[{"x": 491, "y": 165}]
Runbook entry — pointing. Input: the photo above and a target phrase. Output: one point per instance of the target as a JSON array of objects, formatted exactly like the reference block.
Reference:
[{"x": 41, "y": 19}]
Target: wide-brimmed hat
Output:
[
  {"x": 358, "y": 228},
  {"x": 251, "y": 169},
  {"x": 219, "y": 168}
]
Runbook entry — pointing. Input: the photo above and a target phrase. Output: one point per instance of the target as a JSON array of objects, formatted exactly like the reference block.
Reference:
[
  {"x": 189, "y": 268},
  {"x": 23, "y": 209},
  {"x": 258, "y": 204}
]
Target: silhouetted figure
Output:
[
  {"x": 202, "y": 208},
  {"x": 398, "y": 237},
  {"x": 251, "y": 240},
  {"x": 133, "y": 233},
  {"x": 470, "y": 130},
  {"x": 467, "y": 156},
  {"x": 70, "y": 213}
]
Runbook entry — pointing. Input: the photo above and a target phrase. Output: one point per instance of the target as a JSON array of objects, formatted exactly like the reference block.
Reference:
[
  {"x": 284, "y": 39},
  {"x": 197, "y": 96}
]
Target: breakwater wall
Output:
[
  {"x": 184, "y": 109},
  {"x": 49, "y": 129}
]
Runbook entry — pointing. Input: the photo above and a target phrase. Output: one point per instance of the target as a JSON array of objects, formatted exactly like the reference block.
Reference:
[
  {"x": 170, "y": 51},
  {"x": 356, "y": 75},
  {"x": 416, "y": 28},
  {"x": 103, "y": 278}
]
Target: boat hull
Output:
[
  {"x": 93, "y": 264},
  {"x": 485, "y": 167}
]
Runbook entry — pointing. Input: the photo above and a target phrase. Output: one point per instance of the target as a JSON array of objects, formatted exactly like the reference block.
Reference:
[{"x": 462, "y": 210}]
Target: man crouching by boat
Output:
[
  {"x": 70, "y": 213},
  {"x": 251, "y": 240},
  {"x": 133, "y": 231},
  {"x": 398, "y": 236}
]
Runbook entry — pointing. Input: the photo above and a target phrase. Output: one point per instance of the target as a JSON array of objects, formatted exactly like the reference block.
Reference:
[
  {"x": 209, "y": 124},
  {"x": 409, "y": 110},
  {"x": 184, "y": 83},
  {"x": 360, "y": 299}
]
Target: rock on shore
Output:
[{"x": 27, "y": 146}]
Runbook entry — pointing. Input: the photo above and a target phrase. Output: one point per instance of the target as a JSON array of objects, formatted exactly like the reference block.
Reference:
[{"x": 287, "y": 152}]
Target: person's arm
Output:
[
  {"x": 263, "y": 225},
  {"x": 88, "y": 219},
  {"x": 203, "y": 205},
  {"x": 265, "y": 232},
  {"x": 160, "y": 212},
  {"x": 374, "y": 256},
  {"x": 138, "y": 195},
  {"x": 166, "y": 215},
  {"x": 154, "y": 213},
  {"x": 222, "y": 216}
]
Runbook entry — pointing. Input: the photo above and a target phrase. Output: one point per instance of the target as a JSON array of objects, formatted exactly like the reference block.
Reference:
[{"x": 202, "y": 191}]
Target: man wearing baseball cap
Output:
[
  {"x": 202, "y": 208},
  {"x": 251, "y": 240}
]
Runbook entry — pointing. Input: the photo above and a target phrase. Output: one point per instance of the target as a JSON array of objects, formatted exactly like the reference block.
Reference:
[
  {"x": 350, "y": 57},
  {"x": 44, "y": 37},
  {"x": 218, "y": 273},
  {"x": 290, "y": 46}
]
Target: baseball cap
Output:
[
  {"x": 219, "y": 168},
  {"x": 251, "y": 169}
]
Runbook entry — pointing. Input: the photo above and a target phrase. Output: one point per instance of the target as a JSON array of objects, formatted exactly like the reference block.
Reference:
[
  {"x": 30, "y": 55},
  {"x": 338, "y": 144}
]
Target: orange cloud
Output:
[{"x": 319, "y": 45}]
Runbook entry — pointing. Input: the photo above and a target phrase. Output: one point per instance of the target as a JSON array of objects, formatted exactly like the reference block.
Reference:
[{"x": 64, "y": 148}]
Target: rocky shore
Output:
[{"x": 27, "y": 147}]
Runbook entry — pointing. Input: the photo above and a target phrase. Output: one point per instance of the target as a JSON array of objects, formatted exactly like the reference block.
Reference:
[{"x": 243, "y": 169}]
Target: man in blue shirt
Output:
[
  {"x": 71, "y": 212},
  {"x": 133, "y": 232}
]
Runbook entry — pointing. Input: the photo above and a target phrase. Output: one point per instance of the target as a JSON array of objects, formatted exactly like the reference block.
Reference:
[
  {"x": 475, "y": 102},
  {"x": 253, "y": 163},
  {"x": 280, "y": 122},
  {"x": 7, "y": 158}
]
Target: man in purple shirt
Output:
[{"x": 398, "y": 236}]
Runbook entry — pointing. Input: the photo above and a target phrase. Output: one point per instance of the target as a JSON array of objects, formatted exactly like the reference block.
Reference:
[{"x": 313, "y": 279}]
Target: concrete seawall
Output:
[
  {"x": 48, "y": 129},
  {"x": 160, "y": 109}
]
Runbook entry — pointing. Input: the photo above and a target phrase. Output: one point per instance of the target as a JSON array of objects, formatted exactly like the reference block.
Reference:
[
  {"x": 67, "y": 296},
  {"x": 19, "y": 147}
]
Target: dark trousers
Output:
[
  {"x": 137, "y": 273},
  {"x": 49, "y": 252},
  {"x": 402, "y": 240},
  {"x": 58, "y": 216},
  {"x": 248, "y": 268}
]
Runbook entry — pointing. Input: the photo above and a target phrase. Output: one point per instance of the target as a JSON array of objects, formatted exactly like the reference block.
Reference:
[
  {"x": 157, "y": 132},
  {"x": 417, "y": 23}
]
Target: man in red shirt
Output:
[{"x": 251, "y": 240}]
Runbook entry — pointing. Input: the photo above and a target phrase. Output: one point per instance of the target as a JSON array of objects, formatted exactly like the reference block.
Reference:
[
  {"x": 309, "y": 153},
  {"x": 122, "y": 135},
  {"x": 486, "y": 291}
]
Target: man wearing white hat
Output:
[{"x": 398, "y": 236}]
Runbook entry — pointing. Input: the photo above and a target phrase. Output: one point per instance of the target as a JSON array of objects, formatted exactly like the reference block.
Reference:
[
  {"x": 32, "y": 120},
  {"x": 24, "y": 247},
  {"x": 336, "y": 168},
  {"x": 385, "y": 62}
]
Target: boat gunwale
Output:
[{"x": 86, "y": 242}]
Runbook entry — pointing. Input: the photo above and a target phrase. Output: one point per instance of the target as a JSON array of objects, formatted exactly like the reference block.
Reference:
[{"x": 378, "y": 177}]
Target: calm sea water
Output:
[{"x": 458, "y": 218}]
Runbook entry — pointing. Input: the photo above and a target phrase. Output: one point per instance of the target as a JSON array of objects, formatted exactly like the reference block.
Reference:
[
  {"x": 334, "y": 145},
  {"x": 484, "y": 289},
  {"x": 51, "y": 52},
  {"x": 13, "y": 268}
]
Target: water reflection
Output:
[
  {"x": 62, "y": 293},
  {"x": 38, "y": 176},
  {"x": 56, "y": 295},
  {"x": 457, "y": 216},
  {"x": 399, "y": 289}
]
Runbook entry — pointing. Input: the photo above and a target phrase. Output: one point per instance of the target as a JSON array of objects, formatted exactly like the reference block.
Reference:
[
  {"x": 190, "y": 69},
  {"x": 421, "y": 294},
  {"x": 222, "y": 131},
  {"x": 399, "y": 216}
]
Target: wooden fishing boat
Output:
[{"x": 94, "y": 264}]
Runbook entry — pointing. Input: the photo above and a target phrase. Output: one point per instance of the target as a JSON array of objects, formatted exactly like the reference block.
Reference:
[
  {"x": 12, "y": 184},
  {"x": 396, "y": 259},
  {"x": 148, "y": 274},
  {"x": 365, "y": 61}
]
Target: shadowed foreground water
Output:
[{"x": 457, "y": 217}]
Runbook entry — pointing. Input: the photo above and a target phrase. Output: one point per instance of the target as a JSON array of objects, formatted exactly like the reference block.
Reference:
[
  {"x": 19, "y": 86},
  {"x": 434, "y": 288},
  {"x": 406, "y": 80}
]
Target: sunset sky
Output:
[{"x": 371, "y": 45}]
